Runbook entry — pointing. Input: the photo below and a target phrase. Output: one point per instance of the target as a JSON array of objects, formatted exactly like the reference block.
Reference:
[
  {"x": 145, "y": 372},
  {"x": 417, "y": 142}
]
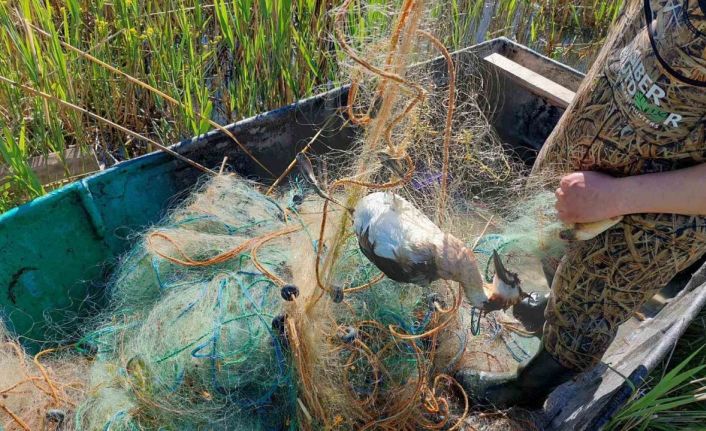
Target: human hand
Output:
[{"x": 584, "y": 197}]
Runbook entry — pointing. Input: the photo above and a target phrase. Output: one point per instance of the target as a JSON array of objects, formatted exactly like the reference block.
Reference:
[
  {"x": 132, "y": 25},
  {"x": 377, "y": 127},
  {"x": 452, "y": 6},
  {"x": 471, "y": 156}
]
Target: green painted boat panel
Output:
[
  {"x": 40, "y": 244},
  {"x": 131, "y": 197}
]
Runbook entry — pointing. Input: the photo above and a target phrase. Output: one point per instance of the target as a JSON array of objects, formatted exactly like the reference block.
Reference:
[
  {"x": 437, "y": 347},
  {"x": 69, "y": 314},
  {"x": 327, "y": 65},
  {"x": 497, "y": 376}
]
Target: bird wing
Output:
[
  {"x": 398, "y": 267},
  {"x": 397, "y": 238}
]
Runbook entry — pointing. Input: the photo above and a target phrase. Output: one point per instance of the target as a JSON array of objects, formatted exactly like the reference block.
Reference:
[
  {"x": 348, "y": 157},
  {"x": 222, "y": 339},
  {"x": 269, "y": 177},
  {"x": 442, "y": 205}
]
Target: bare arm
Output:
[{"x": 591, "y": 196}]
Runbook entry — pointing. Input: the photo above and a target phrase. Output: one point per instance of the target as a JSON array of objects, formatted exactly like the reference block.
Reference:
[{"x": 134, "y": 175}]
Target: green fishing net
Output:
[{"x": 193, "y": 342}]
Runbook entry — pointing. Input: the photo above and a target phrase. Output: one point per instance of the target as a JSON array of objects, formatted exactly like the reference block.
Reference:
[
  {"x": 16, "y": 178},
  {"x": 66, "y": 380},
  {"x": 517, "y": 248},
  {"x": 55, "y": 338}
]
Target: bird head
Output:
[{"x": 506, "y": 289}]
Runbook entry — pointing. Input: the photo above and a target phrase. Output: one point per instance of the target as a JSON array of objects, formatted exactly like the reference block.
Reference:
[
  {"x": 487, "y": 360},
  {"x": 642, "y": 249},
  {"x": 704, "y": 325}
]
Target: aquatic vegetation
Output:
[{"x": 223, "y": 61}]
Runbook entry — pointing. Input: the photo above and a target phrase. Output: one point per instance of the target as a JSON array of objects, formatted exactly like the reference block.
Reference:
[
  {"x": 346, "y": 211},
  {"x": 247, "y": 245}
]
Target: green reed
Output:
[{"x": 225, "y": 60}]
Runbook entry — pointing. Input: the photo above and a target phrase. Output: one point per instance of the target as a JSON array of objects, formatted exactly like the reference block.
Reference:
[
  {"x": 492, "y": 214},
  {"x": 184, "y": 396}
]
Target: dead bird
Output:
[{"x": 409, "y": 248}]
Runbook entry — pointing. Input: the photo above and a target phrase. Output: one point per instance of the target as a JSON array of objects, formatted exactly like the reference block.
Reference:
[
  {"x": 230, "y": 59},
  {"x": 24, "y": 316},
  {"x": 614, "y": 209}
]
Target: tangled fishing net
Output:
[
  {"x": 253, "y": 308},
  {"x": 217, "y": 321},
  {"x": 40, "y": 392}
]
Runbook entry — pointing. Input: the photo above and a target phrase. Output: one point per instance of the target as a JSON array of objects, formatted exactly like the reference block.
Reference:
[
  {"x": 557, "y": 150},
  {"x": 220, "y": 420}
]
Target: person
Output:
[
  {"x": 632, "y": 144},
  {"x": 587, "y": 196}
]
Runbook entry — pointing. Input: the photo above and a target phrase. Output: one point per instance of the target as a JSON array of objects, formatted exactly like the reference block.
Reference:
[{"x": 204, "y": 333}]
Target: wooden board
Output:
[
  {"x": 556, "y": 94},
  {"x": 50, "y": 169}
]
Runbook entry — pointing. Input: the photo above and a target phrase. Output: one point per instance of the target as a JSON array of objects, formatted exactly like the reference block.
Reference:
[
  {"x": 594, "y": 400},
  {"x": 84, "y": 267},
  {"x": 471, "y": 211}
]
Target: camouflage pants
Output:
[{"x": 600, "y": 283}]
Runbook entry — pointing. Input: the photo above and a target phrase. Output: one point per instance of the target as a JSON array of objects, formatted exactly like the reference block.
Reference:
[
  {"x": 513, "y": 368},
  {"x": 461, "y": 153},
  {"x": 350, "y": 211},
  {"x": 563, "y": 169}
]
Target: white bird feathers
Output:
[
  {"x": 408, "y": 247},
  {"x": 397, "y": 237}
]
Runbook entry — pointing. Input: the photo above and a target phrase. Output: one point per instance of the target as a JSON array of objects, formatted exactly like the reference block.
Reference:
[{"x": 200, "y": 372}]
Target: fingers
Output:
[
  {"x": 559, "y": 194},
  {"x": 586, "y": 197},
  {"x": 560, "y": 205}
]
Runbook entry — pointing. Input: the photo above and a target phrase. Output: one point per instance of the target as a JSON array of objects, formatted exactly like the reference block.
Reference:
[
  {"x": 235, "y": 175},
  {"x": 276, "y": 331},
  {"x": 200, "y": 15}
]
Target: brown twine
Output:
[
  {"x": 186, "y": 260},
  {"x": 458, "y": 300},
  {"x": 18, "y": 420},
  {"x": 262, "y": 241},
  {"x": 451, "y": 106},
  {"x": 54, "y": 389}
]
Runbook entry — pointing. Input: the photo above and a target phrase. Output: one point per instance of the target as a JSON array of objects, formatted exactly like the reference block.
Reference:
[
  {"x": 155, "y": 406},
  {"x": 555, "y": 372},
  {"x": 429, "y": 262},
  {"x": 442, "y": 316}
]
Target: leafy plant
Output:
[
  {"x": 222, "y": 61},
  {"x": 674, "y": 401},
  {"x": 21, "y": 178}
]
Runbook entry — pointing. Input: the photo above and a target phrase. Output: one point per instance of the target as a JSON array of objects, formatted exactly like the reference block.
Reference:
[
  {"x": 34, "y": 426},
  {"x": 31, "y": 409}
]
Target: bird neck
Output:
[{"x": 457, "y": 262}]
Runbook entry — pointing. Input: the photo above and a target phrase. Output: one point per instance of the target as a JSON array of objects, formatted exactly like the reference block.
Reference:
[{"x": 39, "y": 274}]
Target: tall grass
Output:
[
  {"x": 230, "y": 59},
  {"x": 570, "y": 31},
  {"x": 565, "y": 29},
  {"x": 224, "y": 61},
  {"x": 674, "y": 398}
]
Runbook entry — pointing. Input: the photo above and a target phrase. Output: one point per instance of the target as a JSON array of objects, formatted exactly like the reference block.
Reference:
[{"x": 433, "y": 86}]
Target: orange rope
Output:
[
  {"x": 405, "y": 411},
  {"x": 395, "y": 39},
  {"x": 319, "y": 247},
  {"x": 347, "y": 48},
  {"x": 407, "y": 404},
  {"x": 367, "y": 285},
  {"x": 466, "y": 407},
  {"x": 20, "y": 383},
  {"x": 361, "y": 405},
  {"x": 374, "y": 363},
  {"x": 259, "y": 244},
  {"x": 388, "y": 132},
  {"x": 438, "y": 328},
  {"x": 340, "y": 37},
  {"x": 43, "y": 370},
  {"x": 358, "y": 120},
  {"x": 220, "y": 258},
  {"x": 188, "y": 261},
  {"x": 16, "y": 418},
  {"x": 449, "y": 116}
]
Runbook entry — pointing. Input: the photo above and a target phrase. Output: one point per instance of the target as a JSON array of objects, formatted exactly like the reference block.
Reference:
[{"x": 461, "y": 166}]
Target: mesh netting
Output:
[
  {"x": 190, "y": 340},
  {"x": 40, "y": 392},
  {"x": 248, "y": 308},
  {"x": 198, "y": 335}
]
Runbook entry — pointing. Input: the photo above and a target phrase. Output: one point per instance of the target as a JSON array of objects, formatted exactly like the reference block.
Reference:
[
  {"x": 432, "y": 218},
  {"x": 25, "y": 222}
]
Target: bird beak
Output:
[
  {"x": 500, "y": 269},
  {"x": 507, "y": 290},
  {"x": 307, "y": 171}
]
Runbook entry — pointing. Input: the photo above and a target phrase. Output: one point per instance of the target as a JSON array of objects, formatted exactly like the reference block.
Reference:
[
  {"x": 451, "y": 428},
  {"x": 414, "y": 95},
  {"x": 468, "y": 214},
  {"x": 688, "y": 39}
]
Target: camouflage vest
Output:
[{"x": 644, "y": 109}]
